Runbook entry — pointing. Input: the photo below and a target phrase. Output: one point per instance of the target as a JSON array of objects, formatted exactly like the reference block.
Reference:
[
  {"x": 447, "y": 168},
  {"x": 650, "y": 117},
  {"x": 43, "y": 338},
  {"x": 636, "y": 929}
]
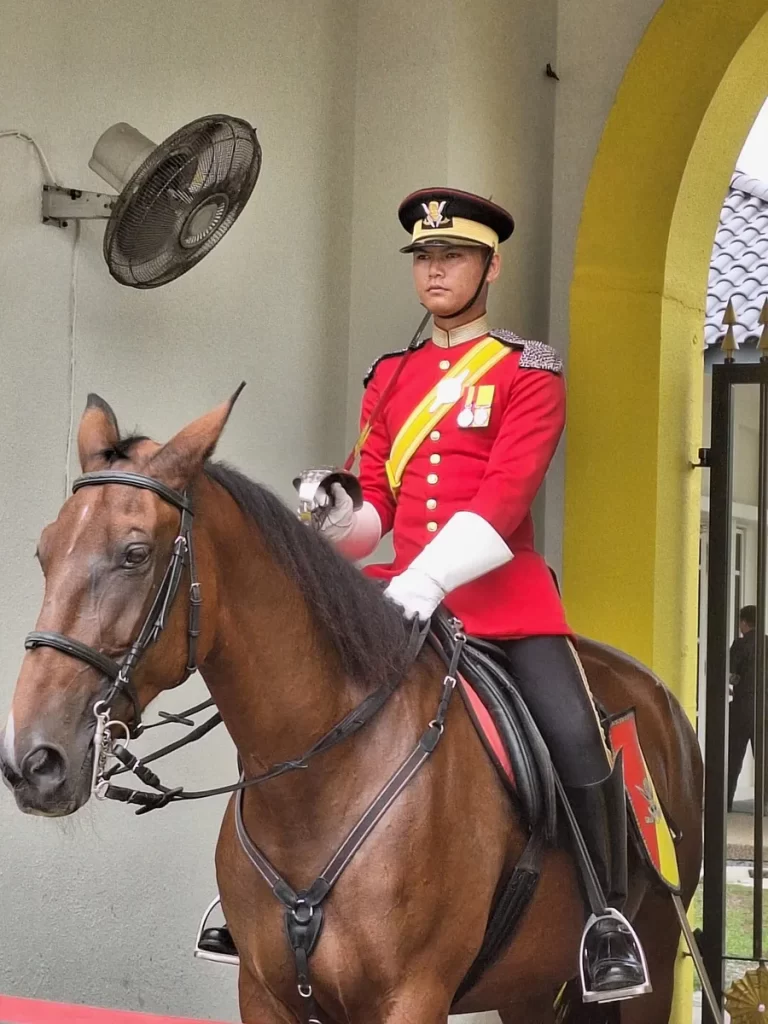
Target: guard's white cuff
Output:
[
  {"x": 362, "y": 536},
  {"x": 466, "y": 548}
]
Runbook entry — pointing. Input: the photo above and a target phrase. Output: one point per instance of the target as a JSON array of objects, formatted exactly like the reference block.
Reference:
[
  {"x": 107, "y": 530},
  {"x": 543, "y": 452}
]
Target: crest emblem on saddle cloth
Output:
[
  {"x": 654, "y": 811},
  {"x": 433, "y": 214},
  {"x": 651, "y": 826}
]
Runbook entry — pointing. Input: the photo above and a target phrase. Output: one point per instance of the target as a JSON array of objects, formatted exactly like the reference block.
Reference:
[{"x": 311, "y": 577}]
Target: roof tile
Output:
[{"x": 739, "y": 264}]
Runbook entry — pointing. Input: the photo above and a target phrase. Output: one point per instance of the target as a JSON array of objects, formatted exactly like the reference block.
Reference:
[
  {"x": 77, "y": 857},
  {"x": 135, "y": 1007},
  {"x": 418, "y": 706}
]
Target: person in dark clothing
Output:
[{"x": 742, "y": 678}]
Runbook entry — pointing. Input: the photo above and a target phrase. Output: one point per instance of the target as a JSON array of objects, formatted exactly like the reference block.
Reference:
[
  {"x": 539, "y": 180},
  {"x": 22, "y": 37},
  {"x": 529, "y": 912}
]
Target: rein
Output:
[{"x": 348, "y": 726}]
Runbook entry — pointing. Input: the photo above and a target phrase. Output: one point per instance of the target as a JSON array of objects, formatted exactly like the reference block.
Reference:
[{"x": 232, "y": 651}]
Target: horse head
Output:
[{"x": 106, "y": 558}]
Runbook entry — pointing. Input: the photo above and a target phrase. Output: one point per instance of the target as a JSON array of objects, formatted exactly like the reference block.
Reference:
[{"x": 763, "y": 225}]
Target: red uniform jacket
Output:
[{"x": 494, "y": 471}]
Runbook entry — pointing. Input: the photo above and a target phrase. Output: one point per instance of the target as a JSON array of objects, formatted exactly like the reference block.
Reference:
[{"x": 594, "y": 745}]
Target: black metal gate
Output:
[{"x": 729, "y": 381}]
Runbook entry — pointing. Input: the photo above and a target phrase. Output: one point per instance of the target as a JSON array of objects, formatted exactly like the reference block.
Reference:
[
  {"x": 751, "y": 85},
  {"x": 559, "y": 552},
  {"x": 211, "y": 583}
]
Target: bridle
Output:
[{"x": 120, "y": 673}]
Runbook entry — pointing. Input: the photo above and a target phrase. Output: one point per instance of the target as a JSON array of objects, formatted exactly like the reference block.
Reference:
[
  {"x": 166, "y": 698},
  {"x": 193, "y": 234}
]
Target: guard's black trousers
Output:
[{"x": 554, "y": 687}]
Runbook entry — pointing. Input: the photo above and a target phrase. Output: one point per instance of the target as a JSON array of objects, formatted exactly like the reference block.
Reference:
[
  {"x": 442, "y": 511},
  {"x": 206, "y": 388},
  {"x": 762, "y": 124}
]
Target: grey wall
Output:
[{"x": 103, "y": 908}]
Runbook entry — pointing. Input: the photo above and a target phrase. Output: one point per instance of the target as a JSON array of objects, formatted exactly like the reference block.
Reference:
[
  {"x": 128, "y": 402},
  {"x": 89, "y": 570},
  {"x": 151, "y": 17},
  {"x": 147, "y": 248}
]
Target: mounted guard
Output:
[{"x": 457, "y": 434}]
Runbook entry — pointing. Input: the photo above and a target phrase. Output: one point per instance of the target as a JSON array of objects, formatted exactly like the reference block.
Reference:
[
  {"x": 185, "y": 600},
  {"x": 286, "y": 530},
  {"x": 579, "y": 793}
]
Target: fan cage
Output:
[{"x": 200, "y": 177}]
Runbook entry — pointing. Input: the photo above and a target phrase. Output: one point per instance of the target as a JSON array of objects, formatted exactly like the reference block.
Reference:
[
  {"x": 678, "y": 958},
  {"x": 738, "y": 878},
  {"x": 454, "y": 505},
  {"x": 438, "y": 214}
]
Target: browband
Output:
[{"x": 146, "y": 483}]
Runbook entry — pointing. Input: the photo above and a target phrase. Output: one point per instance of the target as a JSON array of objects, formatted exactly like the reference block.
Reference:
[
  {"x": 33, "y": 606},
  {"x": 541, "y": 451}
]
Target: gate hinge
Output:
[{"x": 703, "y": 463}]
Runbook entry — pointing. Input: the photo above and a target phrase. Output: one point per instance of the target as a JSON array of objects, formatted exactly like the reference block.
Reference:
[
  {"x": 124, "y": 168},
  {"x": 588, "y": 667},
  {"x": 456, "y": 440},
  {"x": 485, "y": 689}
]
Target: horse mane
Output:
[{"x": 367, "y": 631}]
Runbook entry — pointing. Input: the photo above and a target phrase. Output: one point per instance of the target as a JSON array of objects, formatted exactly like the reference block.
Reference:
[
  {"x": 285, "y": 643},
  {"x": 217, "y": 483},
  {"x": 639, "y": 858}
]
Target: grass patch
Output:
[
  {"x": 738, "y": 928},
  {"x": 738, "y": 918}
]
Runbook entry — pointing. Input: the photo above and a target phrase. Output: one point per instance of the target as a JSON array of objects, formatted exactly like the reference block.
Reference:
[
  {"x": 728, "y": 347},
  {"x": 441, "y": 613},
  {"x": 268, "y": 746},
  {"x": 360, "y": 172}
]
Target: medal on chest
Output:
[
  {"x": 477, "y": 407},
  {"x": 448, "y": 391}
]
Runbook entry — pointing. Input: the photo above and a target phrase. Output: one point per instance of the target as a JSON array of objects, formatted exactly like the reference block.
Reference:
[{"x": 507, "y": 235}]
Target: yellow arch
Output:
[
  {"x": 637, "y": 307},
  {"x": 661, "y": 173}
]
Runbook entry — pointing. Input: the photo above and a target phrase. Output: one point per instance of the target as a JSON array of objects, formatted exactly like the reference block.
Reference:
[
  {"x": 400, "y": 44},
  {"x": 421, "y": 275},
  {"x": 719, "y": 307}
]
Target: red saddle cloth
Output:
[
  {"x": 489, "y": 734},
  {"x": 38, "y": 1011}
]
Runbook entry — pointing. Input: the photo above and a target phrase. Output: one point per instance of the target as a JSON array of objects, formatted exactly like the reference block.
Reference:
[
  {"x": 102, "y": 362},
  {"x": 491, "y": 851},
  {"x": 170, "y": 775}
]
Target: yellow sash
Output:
[{"x": 427, "y": 414}]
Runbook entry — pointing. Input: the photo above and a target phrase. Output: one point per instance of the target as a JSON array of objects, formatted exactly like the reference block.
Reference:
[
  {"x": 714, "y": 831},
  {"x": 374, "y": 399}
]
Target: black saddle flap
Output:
[{"x": 487, "y": 670}]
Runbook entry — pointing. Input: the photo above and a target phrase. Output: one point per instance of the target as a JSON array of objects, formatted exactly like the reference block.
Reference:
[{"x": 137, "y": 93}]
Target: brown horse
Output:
[{"x": 292, "y": 637}]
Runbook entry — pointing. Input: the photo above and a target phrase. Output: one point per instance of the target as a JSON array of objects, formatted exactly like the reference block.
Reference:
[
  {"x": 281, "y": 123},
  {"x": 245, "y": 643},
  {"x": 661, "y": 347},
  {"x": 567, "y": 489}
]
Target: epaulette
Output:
[
  {"x": 536, "y": 355},
  {"x": 388, "y": 355}
]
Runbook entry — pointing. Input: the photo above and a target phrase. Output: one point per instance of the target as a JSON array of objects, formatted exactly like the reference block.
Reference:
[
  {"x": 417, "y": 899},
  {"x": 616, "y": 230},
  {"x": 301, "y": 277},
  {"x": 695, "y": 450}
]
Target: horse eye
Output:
[{"x": 135, "y": 555}]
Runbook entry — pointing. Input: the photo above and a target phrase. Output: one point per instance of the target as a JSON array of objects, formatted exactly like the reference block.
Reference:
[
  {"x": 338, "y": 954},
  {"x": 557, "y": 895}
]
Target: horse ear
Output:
[
  {"x": 98, "y": 432},
  {"x": 178, "y": 461}
]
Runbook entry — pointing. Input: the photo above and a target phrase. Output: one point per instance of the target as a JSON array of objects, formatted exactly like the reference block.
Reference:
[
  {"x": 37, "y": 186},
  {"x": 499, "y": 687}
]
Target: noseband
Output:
[{"x": 120, "y": 673}]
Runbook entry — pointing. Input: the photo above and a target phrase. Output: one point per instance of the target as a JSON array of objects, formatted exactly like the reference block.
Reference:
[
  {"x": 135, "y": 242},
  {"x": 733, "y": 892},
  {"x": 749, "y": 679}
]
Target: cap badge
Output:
[{"x": 434, "y": 214}]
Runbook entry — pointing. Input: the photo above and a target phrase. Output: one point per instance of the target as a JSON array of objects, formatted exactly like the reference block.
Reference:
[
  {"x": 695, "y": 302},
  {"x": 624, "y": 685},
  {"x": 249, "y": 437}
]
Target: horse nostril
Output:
[{"x": 44, "y": 766}]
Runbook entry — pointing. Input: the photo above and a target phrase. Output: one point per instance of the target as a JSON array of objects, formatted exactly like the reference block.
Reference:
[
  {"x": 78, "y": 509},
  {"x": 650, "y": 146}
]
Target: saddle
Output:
[{"x": 521, "y": 757}]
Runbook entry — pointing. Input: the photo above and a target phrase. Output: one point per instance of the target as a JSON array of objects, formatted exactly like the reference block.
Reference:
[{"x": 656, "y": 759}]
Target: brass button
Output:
[
  {"x": 435, "y": 460},
  {"x": 445, "y": 364},
  {"x": 432, "y": 478},
  {"x": 435, "y": 435},
  {"x": 432, "y": 527},
  {"x": 431, "y": 504}
]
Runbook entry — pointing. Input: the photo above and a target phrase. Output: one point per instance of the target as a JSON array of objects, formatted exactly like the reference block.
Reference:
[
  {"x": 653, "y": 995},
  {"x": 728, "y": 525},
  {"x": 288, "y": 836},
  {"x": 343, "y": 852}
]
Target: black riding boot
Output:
[
  {"x": 612, "y": 962},
  {"x": 218, "y": 940}
]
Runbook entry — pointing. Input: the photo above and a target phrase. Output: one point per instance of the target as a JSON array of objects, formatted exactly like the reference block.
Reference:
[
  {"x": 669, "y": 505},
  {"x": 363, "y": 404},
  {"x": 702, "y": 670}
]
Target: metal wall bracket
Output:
[
  {"x": 61, "y": 205},
  {"x": 703, "y": 462}
]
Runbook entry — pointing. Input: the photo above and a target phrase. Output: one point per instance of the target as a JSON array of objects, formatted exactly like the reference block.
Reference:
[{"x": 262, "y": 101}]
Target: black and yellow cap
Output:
[{"x": 448, "y": 216}]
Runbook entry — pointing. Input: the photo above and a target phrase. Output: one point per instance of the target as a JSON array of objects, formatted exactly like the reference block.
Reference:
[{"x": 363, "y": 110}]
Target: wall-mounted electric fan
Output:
[{"x": 175, "y": 201}]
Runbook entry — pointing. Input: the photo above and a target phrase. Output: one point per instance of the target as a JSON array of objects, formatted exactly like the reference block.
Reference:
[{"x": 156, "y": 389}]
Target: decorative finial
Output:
[
  {"x": 747, "y": 999},
  {"x": 728, "y": 344}
]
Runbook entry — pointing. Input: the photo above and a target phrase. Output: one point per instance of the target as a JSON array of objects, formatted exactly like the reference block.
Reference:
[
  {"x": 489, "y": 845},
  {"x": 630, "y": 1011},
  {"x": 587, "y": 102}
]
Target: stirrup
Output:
[
  {"x": 204, "y": 954},
  {"x": 630, "y": 992}
]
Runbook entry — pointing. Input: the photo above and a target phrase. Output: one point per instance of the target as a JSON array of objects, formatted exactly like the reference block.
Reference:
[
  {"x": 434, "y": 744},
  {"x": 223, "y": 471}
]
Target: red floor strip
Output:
[{"x": 36, "y": 1011}]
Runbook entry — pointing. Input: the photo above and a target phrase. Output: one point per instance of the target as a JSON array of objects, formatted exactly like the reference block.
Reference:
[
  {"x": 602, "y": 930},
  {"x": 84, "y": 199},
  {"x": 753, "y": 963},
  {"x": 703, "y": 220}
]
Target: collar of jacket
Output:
[{"x": 458, "y": 335}]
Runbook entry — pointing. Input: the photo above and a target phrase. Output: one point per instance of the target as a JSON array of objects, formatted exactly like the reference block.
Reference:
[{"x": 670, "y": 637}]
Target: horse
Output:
[{"x": 290, "y": 640}]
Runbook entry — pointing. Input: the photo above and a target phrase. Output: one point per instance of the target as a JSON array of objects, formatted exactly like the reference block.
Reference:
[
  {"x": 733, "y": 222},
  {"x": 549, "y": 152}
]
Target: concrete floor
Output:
[
  {"x": 741, "y": 832},
  {"x": 493, "y": 1018},
  {"x": 476, "y": 1018}
]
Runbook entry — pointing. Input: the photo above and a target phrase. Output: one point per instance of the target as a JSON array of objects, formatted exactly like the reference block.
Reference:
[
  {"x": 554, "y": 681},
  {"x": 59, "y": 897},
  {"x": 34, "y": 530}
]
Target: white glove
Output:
[
  {"x": 354, "y": 533},
  {"x": 466, "y": 548},
  {"x": 416, "y": 593},
  {"x": 339, "y": 515}
]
